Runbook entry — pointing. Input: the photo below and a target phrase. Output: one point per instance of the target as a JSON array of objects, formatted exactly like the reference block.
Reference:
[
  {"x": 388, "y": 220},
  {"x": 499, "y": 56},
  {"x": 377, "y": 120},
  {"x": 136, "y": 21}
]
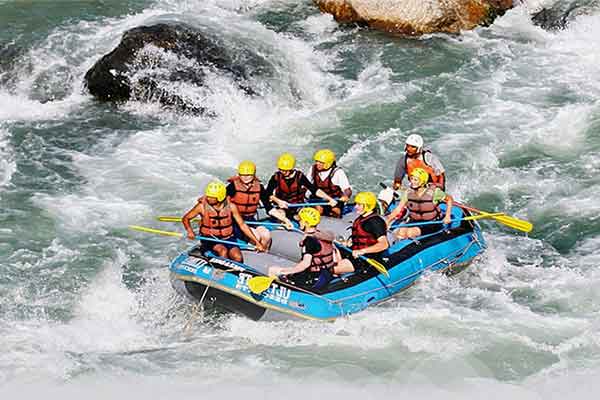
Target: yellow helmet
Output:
[
  {"x": 366, "y": 199},
  {"x": 286, "y": 162},
  {"x": 247, "y": 168},
  {"x": 421, "y": 174},
  {"x": 216, "y": 189},
  {"x": 326, "y": 156},
  {"x": 310, "y": 216}
]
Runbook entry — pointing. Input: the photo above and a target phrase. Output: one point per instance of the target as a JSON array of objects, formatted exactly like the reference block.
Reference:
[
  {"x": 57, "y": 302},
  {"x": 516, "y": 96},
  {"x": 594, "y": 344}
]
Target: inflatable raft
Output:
[{"x": 223, "y": 284}]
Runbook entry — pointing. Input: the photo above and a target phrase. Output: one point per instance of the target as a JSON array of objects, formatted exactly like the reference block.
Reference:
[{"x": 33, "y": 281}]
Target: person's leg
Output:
[
  {"x": 343, "y": 266},
  {"x": 220, "y": 250},
  {"x": 413, "y": 232},
  {"x": 235, "y": 254},
  {"x": 401, "y": 233}
]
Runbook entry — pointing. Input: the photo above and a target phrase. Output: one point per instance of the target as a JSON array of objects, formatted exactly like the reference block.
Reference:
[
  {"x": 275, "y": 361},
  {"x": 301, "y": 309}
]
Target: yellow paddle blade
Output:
[
  {"x": 259, "y": 284},
  {"x": 164, "y": 218},
  {"x": 157, "y": 231},
  {"x": 515, "y": 223},
  {"x": 511, "y": 222},
  {"x": 378, "y": 266}
]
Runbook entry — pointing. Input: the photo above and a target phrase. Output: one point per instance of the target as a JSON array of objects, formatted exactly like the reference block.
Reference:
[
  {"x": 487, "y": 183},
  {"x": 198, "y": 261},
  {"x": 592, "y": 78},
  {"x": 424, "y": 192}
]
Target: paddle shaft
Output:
[
  {"x": 469, "y": 218},
  {"x": 198, "y": 237}
]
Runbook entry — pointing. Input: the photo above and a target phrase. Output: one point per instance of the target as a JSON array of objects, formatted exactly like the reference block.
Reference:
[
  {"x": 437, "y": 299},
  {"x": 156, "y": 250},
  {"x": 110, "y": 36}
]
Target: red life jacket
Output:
[
  {"x": 217, "y": 223},
  {"x": 247, "y": 196},
  {"x": 411, "y": 163},
  {"x": 324, "y": 258},
  {"x": 422, "y": 208},
  {"x": 360, "y": 237},
  {"x": 326, "y": 184},
  {"x": 293, "y": 192}
]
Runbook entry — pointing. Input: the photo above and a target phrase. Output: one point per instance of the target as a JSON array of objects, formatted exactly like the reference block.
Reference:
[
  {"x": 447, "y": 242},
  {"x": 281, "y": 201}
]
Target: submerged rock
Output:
[
  {"x": 416, "y": 17},
  {"x": 559, "y": 15},
  {"x": 153, "y": 63}
]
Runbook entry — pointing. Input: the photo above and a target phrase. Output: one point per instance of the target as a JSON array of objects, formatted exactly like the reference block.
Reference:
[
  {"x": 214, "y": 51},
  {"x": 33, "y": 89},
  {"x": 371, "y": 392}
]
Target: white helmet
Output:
[{"x": 415, "y": 140}]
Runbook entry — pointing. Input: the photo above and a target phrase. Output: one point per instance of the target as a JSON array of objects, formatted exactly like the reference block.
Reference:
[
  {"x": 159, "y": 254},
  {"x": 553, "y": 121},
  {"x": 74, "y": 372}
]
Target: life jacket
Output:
[
  {"x": 422, "y": 208},
  {"x": 292, "y": 192},
  {"x": 217, "y": 223},
  {"x": 324, "y": 258},
  {"x": 326, "y": 184},
  {"x": 411, "y": 163},
  {"x": 247, "y": 196},
  {"x": 360, "y": 237}
]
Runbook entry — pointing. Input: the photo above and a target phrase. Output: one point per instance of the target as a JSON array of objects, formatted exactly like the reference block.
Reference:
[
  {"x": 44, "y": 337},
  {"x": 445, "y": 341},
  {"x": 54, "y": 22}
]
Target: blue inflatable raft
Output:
[{"x": 222, "y": 283}]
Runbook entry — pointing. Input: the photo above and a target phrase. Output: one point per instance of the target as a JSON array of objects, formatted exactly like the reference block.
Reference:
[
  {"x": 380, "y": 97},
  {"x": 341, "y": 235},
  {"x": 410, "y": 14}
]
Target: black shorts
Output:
[{"x": 360, "y": 264}]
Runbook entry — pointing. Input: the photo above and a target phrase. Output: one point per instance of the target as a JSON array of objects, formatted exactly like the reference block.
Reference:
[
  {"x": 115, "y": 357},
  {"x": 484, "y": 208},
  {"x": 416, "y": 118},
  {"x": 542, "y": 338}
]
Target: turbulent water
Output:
[{"x": 86, "y": 308}]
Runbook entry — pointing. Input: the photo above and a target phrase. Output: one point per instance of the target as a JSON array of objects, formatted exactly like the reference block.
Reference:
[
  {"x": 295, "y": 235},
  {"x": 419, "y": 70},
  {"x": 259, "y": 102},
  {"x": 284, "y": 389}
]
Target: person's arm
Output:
[
  {"x": 301, "y": 266},
  {"x": 399, "y": 172},
  {"x": 311, "y": 187},
  {"x": 265, "y": 199},
  {"x": 435, "y": 163},
  {"x": 244, "y": 228},
  {"x": 341, "y": 179},
  {"x": 438, "y": 196},
  {"x": 230, "y": 190},
  {"x": 377, "y": 228},
  {"x": 191, "y": 214},
  {"x": 381, "y": 245},
  {"x": 271, "y": 186},
  {"x": 397, "y": 211}
]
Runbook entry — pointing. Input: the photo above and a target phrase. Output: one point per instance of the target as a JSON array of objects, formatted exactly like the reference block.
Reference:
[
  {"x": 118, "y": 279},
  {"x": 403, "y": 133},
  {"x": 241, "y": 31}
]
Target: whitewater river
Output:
[{"x": 86, "y": 309}]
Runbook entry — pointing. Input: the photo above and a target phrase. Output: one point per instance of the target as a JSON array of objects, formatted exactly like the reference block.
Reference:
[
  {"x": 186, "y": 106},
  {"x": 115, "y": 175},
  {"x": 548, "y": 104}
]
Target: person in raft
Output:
[
  {"x": 289, "y": 186},
  {"x": 318, "y": 261},
  {"x": 217, "y": 216},
  {"x": 369, "y": 235},
  {"x": 417, "y": 156},
  {"x": 331, "y": 179},
  {"x": 247, "y": 192},
  {"x": 421, "y": 200}
]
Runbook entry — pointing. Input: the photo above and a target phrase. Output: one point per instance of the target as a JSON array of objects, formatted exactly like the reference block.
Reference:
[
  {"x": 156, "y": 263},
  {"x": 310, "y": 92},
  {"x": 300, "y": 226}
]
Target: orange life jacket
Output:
[
  {"x": 217, "y": 223},
  {"x": 247, "y": 196},
  {"x": 326, "y": 184},
  {"x": 422, "y": 208},
  {"x": 293, "y": 192},
  {"x": 360, "y": 237},
  {"x": 411, "y": 163}
]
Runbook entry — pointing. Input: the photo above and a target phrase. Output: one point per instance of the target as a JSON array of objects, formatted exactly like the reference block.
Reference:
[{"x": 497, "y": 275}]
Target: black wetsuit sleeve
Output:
[
  {"x": 230, "y": 189},
  {"x": 376, "y": 227},
  {"x": 311, "y": 245},
  {"x": 312, "y": 188},
  {"x": 264, "y": 198},
  {"x": 271, "y": 186}
]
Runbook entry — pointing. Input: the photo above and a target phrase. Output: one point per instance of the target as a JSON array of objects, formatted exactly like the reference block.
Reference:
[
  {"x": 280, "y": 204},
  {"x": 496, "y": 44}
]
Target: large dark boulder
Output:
[
  {"x": 152, "y": 62},
  {"x": 560, "y": 14}
]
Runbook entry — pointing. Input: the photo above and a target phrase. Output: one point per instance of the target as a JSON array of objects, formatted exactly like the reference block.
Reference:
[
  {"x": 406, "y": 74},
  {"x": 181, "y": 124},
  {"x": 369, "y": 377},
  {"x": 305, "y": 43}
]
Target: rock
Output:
[
  {"x": 151, "y": 63},
  {"x": 558, "y": 16},
  {"x": 416, "y": 17}
]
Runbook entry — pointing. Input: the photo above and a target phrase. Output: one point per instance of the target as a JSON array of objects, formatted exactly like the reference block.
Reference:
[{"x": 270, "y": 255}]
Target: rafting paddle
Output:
[
  {"x": 374, "y": 263},
  {"x": 511, "y": 222},
  {"x": 258, "y": 284},
  {"x": 181, "y": 235}
]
